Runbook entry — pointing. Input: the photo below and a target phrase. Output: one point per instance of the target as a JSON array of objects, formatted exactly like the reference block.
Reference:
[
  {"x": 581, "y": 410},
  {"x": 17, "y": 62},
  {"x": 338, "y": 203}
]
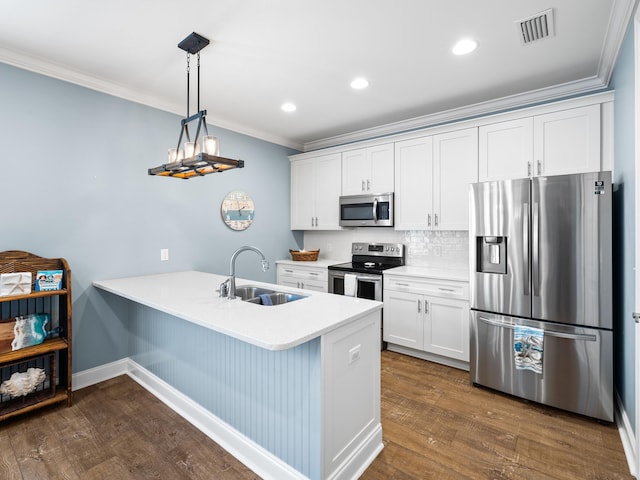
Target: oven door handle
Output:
[{"x": 364, "y": 278}]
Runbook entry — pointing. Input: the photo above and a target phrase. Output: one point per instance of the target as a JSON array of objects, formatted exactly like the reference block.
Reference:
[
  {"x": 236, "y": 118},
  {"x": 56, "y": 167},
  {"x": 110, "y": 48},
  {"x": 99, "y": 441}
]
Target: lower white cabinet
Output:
[
  {"x": 308, "y": 277},
  {"x": 428, "y": 315}
]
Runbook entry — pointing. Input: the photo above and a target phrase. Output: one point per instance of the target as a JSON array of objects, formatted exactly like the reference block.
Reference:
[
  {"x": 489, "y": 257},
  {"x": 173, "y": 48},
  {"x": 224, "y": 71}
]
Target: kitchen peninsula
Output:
[{"x": 292, "y": 390}]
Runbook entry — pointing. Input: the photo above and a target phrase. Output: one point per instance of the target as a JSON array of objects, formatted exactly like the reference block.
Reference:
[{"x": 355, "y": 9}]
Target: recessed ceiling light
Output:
[
  {"x": 288, "y": 107},
  {"x": 359, "y": 83},
  {"x": 464, "y": 46}
]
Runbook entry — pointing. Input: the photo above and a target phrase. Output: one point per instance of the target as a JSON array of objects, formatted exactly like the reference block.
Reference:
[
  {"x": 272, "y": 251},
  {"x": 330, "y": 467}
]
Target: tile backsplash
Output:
[{"x": 424, "y": 248}]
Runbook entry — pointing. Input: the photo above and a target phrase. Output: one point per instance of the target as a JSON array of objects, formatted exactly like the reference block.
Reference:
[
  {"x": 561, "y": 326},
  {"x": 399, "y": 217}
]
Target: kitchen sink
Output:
[
  {"x": 248, "y": 292},
  {"x": 265, "y": 296}
]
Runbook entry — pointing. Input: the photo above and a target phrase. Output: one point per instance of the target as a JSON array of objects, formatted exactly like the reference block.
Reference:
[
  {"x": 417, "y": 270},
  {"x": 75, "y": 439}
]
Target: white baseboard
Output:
[
  {"x": 262, "y": 462},
  {"x": 431, "y": 357},
  {"x": 89, "y": 377},
  {"x": 361, "y": 458},
  {"x": 627, "y": 436}
]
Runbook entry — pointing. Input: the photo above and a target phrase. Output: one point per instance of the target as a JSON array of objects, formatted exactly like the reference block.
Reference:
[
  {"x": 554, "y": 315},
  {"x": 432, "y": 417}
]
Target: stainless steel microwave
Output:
[{"x": 370, "y": 210}]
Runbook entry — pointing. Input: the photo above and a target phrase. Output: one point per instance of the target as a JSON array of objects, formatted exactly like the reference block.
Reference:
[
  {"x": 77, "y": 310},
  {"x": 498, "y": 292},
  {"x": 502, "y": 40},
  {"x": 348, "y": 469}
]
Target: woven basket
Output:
[{"x": 304, "y": 256}]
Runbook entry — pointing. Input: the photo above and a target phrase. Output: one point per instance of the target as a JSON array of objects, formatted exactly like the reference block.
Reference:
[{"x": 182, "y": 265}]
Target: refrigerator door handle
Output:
[
  {"x": 550, "y": 333},
  {"x": 525, "y": 250},
  {"x": 536, "y": 251}
]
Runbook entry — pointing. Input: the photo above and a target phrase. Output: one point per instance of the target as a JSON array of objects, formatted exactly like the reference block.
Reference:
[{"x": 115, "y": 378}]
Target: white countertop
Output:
[
  {"x": 461, "y": 275},
  {"x": 192, "y": 296},
  {"x": 320, "y": 263}
]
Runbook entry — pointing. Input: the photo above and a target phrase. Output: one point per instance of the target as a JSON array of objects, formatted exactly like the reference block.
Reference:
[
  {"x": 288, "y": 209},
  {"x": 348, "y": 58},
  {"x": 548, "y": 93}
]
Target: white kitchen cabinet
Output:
[
  {"x": 368, "y": 170},
  {"x": 557, "y": 143},
  {"x": 567, "y": 141},
  {"x": 432, "y": 177},
  {"x": 505, "y": 150},
  {"x": 315, "y": 192},
  {"x": 446, "y": 327},
  {"x": 304, "y": 276},
  {"x": 455, "y": 166},
  {"x": 428, "y": 317},
  {"x": 403, "y": 319},
  {"x": 413, "y": 178}
]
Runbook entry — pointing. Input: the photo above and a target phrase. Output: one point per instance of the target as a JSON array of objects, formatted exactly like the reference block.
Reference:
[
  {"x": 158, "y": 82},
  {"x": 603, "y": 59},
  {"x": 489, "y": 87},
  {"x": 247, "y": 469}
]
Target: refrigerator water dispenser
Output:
[{"x": 491, "y": 254}]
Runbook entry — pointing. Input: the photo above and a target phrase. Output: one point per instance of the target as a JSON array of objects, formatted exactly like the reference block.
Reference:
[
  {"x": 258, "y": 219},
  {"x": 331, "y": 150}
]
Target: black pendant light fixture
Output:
[{"x": 200, "y": 156}]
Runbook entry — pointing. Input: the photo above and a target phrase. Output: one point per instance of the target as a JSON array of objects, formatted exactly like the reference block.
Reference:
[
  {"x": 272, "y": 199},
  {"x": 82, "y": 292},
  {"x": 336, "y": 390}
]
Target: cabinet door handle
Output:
[
  {"x": 419, "y": 311},
  {"x": 368, "y": 185},
  {"x": 289, "y": 271},
  {"x": 436, "y": 219},
  {"x": 428, "y": 220},
  {"x": 402, "y": 284},
  {"x": 539, "y": 167},
  {"x": 363, "y": 185},
  {"x": 528, "y": 169},
  {"x": 314, "y": 274},
  {"x": 446, "y": 289},
  {"x": 426, "y": 307},
  {"x": 301, "y": 284}
]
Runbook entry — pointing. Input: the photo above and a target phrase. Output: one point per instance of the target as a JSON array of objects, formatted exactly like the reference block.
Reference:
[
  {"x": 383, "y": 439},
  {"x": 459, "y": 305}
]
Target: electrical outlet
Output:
[
  {"x": 354, "y": 354},
  {"x": 164, "y": 254}
]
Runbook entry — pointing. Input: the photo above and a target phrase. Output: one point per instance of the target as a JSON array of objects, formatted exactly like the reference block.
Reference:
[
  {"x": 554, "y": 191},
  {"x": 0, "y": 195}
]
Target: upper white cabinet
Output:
[
  {"x": 505, "y": 149},
  {"x": 414, "y": 176},
  {"x": 432, "y": 177},
  {"x": 557, "y": 143},
  {"x": 455, "y": 165},
  {"x": 368, "y": 170},
  {"x": 429, "y": 170},
  {"x": 567, "y": 141},
  {"x": 315, "y": 190}
]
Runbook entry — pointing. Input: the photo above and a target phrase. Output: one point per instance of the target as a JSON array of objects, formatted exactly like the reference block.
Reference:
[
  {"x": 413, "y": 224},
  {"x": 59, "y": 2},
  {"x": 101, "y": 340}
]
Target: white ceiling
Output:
[{"x": 264, "y": 53}]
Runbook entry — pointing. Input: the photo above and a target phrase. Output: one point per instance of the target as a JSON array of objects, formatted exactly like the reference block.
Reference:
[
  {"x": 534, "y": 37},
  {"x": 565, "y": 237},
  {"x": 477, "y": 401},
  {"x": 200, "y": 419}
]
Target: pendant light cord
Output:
[{"x": 188, "y": 68}]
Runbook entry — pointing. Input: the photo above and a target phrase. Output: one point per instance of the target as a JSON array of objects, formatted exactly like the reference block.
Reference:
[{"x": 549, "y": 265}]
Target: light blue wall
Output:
[
  {"x": 624, "y": 226},
  {"x": 272, "y": 397},
  {"x": 74, "y": 184}
]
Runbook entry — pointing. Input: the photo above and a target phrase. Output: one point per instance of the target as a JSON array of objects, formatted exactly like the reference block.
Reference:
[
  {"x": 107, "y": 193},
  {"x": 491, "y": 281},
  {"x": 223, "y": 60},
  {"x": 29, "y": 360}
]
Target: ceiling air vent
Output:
[{"x": 537, "y": 27}]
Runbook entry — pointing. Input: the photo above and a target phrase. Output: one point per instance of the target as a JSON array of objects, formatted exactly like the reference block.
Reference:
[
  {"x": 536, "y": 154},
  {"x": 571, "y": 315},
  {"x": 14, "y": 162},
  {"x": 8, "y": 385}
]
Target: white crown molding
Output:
[
  {"x": 617, "y": 28},
  {"x": 53, "y": 70},
  {"x": 510, "y": 102},
  {"x": 619, "y": 22}
]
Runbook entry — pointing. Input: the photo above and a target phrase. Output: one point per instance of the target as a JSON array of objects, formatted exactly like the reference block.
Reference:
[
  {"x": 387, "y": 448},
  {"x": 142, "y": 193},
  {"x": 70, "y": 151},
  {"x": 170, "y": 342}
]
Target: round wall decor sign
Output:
[{"x": 237, "y": 210}]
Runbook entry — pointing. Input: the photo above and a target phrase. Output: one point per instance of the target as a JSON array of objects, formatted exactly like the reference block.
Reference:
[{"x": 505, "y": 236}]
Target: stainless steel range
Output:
[{"x": 362, "y": 277}]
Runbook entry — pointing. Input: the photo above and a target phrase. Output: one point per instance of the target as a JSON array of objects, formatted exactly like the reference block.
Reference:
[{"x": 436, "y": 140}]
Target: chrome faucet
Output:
[{"x": 228, "y": 287}]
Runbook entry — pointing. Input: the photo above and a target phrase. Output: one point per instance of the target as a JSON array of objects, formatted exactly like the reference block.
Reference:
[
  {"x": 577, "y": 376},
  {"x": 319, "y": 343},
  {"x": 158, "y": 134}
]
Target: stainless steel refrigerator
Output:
[{"x": 541, "y": 290}]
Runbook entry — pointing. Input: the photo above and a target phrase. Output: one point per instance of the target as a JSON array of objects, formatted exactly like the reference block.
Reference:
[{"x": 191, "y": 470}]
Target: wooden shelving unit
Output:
[{"x": 54, "y": 354}]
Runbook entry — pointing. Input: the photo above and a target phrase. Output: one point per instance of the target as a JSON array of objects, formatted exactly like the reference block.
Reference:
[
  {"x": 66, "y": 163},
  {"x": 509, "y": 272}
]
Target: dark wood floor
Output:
[{"x": 435, "y": 426}]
